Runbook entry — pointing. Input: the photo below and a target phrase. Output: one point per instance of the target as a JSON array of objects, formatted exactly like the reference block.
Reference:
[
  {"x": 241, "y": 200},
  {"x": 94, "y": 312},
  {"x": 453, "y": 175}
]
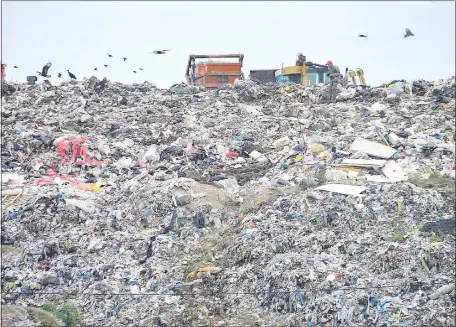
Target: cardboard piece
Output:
[
  {"x": 362, "y": 163},
  {"x": 342, "y": 189},
  {"x": 394, "y": 172},
  {"x": 373, "y": 148}
]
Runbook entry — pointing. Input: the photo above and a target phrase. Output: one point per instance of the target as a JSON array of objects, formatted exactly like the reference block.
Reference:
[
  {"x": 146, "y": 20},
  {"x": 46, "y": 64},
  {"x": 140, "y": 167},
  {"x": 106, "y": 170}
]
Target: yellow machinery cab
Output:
[{"x": 307, "y": 75}]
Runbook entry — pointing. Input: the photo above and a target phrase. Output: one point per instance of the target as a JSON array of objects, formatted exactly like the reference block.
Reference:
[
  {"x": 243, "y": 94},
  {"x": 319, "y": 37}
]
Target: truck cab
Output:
[{"x": 3, "y": 71}]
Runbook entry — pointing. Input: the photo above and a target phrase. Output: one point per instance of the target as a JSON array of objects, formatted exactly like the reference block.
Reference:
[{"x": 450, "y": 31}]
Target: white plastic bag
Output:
[{"x": 83, "y": 205}]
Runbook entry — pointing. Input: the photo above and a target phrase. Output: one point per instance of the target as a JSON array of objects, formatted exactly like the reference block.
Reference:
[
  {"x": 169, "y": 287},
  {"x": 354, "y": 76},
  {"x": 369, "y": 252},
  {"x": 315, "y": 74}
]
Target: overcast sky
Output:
[{"x": 79, "y": 35}]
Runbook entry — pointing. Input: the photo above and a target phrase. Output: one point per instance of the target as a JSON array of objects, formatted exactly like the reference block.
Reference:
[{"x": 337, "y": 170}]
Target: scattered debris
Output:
[{"x": 242, "y": 206}]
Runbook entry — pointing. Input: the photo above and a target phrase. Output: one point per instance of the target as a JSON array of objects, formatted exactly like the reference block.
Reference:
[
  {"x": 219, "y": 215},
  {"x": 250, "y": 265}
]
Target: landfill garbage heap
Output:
[{"x": 249, "y": 205}]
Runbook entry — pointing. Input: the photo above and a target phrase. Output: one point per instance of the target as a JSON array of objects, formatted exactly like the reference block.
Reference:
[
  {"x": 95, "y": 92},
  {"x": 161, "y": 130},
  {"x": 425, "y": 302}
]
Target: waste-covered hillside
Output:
[{"x": 250, "y": 205}]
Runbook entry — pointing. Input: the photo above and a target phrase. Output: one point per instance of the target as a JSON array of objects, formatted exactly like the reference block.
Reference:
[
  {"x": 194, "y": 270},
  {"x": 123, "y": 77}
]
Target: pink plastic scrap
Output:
[
  {"x": 51, "y": 172},
  {"x": 62, "y": 148},
  {"x": 77, "y": 149},
  {"x": 50, "y": 180},
  {"x": 70, "y": 179},
  {"x": 45, "y": 181}
]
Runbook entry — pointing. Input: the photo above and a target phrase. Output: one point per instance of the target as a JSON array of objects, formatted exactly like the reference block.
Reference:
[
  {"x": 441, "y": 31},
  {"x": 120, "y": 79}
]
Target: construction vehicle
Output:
[
  {"x": 312, "y": 74},
  {"x": 306, "y": 75},
  {"x": 3, "y": 71},
  {"x": 352, "y": 74},
  {"x": 263, "y": 75},
  {"x": 213, "y": 74}
]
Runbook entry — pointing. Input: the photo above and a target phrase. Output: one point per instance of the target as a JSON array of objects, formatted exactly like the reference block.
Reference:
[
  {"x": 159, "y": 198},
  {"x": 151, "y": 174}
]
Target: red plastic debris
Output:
[
  {"x": 45, "y": 181},
  {"x": 51, "y": 172},
  {"x": 62, "y": 148},
  {"x": 69, "y": 179},
  {"x": 232, "y": 155},
  {"x": 77, "y": 150}
]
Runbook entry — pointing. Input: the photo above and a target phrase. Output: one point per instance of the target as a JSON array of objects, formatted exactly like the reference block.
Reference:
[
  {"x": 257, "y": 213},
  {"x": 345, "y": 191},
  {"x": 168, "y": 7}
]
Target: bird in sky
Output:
[
  {"x": 362, "y": 35},
  {"x": 106, "y": 66},
  {"x": 59, "y": 75},
  {"x": 15, "y": 67},
  {"x": 71, "y": 74},
  {"x": 134, "y": 71},
  {"x": 44, "y": 71},
  {"x": 141, "y": 69},
  {"x": 161, "y": 51},
  {"x": 110, "y": 55},
  {"x": 408, "y": 33},
  {"x": 125, "y": 58},
  {"x": 96, "y": 68}
]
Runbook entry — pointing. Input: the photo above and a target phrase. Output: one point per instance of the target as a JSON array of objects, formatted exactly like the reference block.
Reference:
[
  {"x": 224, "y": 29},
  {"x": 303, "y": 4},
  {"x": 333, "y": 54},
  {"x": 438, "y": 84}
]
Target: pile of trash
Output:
[{"x": 249, "y": 205}]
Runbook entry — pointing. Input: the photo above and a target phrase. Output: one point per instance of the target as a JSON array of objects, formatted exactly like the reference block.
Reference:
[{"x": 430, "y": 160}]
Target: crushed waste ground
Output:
[{"x": 250, "y": 205}]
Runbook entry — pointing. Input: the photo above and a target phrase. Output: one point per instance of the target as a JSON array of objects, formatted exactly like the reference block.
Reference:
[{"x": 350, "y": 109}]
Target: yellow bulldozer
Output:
[
  {"x": 306, "y": 75},
  {"x": 312, "y": 74}
]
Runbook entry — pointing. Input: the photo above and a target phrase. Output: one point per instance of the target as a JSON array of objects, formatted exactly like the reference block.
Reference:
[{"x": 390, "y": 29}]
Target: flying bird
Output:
[
  {"x": 362, "y": 35},
  {"x": 110, "y": 55},
  {"x": 141, "y": 69},
  {"x": 106, "y": 66},
  {"x": 96, "y": 68},
  {"x": 59, "y": 75},
  {"x": 125, "y": 58},
  {"x": 15, "y": 67},
  {"x": 161, "y": 51},
  {"x": 71, "y": 74},
  {"x": 408, "y": 33},
  {"x": 134, "y": 71},
  {"x": 44, "y": 71}
]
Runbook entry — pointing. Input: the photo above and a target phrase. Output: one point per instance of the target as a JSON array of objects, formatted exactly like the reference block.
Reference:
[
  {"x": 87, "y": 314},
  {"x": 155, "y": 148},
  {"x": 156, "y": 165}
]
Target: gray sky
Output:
[{"x": 79, "y": 35}]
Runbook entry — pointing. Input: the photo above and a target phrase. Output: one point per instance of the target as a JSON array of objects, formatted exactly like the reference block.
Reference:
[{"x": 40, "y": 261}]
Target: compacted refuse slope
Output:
[{"x": 250, "y": 205}]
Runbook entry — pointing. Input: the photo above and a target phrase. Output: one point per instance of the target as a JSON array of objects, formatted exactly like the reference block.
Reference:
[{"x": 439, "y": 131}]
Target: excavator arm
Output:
[{"x": 360, "y": 73}]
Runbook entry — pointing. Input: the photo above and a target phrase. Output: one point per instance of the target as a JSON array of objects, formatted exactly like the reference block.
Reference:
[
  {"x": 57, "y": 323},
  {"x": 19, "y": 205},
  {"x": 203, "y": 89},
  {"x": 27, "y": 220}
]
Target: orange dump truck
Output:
[
  {"x": 3, "y": 71},
  {"x": 212, "y": 74}
]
